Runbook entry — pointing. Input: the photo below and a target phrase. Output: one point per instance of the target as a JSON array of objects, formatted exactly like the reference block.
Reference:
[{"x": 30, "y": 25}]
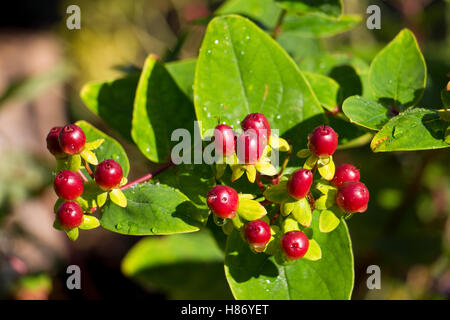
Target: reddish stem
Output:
[
  {"x": 260, "y": 185},
  {"x": 88, "y": 169},
  {"x": 275, "y": 217},
  {"x": 82, "y": 175},
  {"x": 148, "y": 176}
]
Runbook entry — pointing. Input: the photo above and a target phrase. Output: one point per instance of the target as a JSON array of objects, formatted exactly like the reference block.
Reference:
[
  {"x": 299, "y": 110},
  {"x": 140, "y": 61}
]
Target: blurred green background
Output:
[{"x": 406, "y": 230}]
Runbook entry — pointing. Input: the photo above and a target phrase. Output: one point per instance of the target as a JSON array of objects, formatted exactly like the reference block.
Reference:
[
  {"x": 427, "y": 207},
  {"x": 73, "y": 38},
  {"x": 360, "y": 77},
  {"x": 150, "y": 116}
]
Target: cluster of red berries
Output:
[
  {"x": 250, "y": 143},
  {"x": 67, "y": 141},
  {"x": 352, "y": 195}
]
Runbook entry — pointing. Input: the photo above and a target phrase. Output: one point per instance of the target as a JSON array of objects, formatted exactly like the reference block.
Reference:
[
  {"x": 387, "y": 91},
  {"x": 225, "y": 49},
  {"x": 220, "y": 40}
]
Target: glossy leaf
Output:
[
  {"x": 183, "y": 73},
  {"x": 398, "y": 72},
  {"x": 113, "y": 101},
  {"x": 258, "y": 276},
  {"x": 250, "y": 210},
  {"x": 302, "y": 212},
  {"x": 89, "y": 222},
  {"x": 328, "y": 7},
  {"x": 313, "y": 25},
  {"x": 259, "y": 77},
  {"x": 160, "y": 107},
  {"x": 366, "y": 113},
  {"x": 265, "y": 12},
  {"x": 109, "y": 149},
  {"x": 328, "y": 221},
  {"x": 117, "y": 196},
  {"x": 152, "y": 210},
  {"x": 314, "y": 252},
  {"x": 185, "y": 266},
  {"x": 326, "y": 168},
  {"x": 414, "y": 129},
  {"x": 325, "y": 88}
]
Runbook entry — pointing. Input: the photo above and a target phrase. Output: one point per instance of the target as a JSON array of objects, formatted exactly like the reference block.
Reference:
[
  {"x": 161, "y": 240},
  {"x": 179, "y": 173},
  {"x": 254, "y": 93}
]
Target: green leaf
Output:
[
  {"x": 398, "y": 72},
  {"x": 263, "y": 11},
  {"x": 183, "y": 73},
  {"x": 302, "y": 212},
  {"x": 71, "y": 163},
  {"x": 194, "y": 181},
  {"x": 310, "y": 162},
  {"x": 278, "y": 193},
  {"x": 313, "y": 25},
  {"x": 160, "y": 107},
  {"x": 259, "y": 77},
  {"x": 186, "y": 266},
  {"x": 258, "y": 276},
  {"x": 89, "y": 222},
  {"x": 325, "y": 88},
  {"x": 250, "y": 210},
  {"x": 94, "y": 144},
  {"x": 303, "y": 153},
  {"x": 110, "y": 148},
  {"x": 314, "y": 252},
  {"x": 290, "y": 224},
  {"x": 266, "y": 169},
  {"x": 414, "y": 129},
  {"x": 117, "y": 196},
  {"x": 152, "y": 210},
  {"x": 89, "y": 157},
  {"x": 101, "y": 199},
  {"x": 328, "y": 7},
  {"x": 366, "y": 113},
  {"x": 113, "y": 101},
  {"x": 326, "y": 169},
  {"x": 72, "y": 234},
  {"x": 327, "y": 200},
  {"x": 328, "y": 221}
]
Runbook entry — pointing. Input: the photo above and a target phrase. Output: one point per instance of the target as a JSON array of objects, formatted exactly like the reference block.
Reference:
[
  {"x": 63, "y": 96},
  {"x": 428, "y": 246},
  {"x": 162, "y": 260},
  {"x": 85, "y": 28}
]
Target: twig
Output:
[
  {"x": 260, "y": 184},
  {"x": 88, "y": 169},
  {"x": 276, "y": 30},
  {"x": 82, "y": 176},
  {"x": 276, "y": 180}
]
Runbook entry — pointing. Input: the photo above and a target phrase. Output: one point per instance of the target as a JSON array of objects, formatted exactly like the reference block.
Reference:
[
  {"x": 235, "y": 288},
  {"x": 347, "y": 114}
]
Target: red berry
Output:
[
  {"x": 223, "y": 201},
  {"x": 108, "y": 174},
  {"x": 68, "y": 185},
  {"x": 323, "y": 141},
  {"x": 294, "y": 244},
  {"x": 353, "y": 197},
  {"x": 259, "y": 123},
  {"x": 299, "y": 183},
  {"x": 249, "y": 148},
  {"x": 257, "y": 232},
  {"x": 53, "y": 142},
  {"x": 70, "y": 215},
  {"x": 344, "y": 173},
  {"x": 224, "y": 139},
  {"x": 72, "y": 139}
]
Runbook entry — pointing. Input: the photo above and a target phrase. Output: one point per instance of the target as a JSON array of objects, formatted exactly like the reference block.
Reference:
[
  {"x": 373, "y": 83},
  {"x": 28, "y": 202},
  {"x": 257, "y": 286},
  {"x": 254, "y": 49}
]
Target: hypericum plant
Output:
[{"x": 281, "y": 226}]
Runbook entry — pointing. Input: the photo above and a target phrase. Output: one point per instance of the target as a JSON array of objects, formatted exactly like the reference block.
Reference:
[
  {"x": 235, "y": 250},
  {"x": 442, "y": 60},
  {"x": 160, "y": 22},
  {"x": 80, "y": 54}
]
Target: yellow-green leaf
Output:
[
  {"x": 89, "y": 157},
  {"x": 89, "y": 222},
  {"x": 279, "y": 143},
  {"x": 278, "y": 193},
  {"x": 246, "y": 196},
  {"x": 314, "y": 252},
  {"x": 290, "y": 224},
  {"x": 72, "y": 234},
  {"x": 310, "y": 162},
  {"x": 251, "y": 210},
  {"x": 266, "y": 169},
  {"x": 303, "y": 153},
  {"x": 220, "y": 170},
  {"x": 237, "y": 172},
  {"x": 118, "y": 197},
  {"x": 101, "y": 199},
  {"x": 327, "y": 170},
  {"x": 250, "y": 170},
  {"x": 287, "y": 207},
  {"x": 328, "y": 221},
  {"x": 302, "y": 212},
  {"x": 94, "y": 144}
]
